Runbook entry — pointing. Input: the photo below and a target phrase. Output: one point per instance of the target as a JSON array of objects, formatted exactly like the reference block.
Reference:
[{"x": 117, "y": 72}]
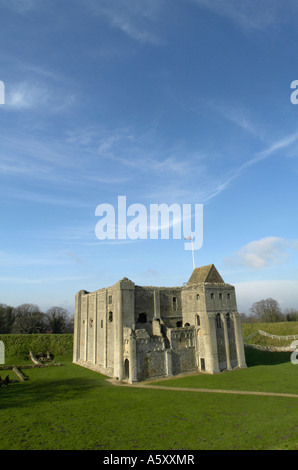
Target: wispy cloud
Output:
[
  {"x": 238, "y": 116},
  {"x": 281, "y": 144},
  {"x": 134, "y": 19},
  {"x": 25, "y": 280},
  {"x": 43, "y": 259},
  {"x": 42, "y": 198},
  {"x": 37, "y": 92},
  {"x": 142, "y": 152},
  {"x": 20, "y": 6},
  {"x": 254, "y": 15},
  {"x": 37, "y": 156},
  {"x": 22, "y": 96}
]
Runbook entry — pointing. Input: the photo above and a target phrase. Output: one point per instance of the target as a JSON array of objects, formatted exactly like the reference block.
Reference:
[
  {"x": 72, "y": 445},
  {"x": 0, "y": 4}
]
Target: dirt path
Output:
[{"x": 200, "y": 390}]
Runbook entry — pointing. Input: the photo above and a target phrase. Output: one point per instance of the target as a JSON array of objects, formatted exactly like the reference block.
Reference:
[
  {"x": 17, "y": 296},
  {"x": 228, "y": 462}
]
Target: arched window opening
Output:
[
  {"x": 218, "y": 321},
  {"x": 142, "y": 318},
  {"x": 228, "y": 320},
  {"x": 182, "y": 341},
  {"x": 179, "y": 324},
  {"x": 174, "y": 303},
  {"x": 198, "y": 320},
  {"x": 126, "y": 368},
  {"x": 110, "y": 317}
]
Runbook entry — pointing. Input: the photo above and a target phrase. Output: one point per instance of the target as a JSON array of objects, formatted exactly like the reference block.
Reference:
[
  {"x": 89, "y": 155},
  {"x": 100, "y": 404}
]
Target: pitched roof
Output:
[{"x": 206, "y": 274}]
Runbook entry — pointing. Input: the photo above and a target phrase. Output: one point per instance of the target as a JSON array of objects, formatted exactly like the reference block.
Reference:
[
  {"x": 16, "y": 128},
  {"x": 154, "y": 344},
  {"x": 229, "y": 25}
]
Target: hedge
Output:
[{"x": 20, "y": 345}]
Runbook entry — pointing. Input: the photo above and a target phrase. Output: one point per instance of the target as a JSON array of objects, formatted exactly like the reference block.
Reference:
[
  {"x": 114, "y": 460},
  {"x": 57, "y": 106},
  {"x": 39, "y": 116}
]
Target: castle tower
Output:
[{"x": 209, "y": 304}]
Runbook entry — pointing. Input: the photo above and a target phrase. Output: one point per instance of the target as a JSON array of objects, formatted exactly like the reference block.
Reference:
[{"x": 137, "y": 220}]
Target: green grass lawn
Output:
[
  {"x": 266, "y": 372},
  {"x": 70, "y": 407},
  {"x": 279, "y": 329}
]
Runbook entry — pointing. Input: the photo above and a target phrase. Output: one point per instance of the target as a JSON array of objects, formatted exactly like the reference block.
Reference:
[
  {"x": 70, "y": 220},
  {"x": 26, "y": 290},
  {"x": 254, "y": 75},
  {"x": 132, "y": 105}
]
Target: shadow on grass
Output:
[
  {"x": 28, "y": 394},
  {"x": 255, "y": 357}
]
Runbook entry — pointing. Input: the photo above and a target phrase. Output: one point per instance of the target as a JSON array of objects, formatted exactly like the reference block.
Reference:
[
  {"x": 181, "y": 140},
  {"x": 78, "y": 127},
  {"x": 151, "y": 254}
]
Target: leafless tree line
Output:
[
  {"x": 29, "y": 319},
  {"x": 268, "y": 310}
]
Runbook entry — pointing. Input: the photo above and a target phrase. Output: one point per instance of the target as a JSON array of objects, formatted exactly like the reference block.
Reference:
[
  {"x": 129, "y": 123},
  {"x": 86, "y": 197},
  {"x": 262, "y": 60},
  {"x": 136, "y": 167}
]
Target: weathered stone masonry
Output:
[{"x": 135, "y": 333}]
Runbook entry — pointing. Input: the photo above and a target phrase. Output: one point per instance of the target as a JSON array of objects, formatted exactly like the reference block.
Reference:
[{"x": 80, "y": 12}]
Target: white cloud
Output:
[{"x": 262, "y": 253}]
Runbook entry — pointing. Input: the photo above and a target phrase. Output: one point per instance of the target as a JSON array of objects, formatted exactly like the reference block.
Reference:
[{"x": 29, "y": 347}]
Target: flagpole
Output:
[{"x": 193, "y": 255}]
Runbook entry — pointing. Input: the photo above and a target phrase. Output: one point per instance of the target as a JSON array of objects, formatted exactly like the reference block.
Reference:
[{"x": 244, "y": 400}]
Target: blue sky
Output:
[{"x": 163, "y": 101}]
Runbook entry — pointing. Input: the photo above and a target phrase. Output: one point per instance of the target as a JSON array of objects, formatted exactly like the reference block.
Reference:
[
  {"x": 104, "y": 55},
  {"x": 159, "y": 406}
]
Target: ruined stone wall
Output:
[
  {"x": 181, "y": 338},
  {"x": 170, "y": 305},
  {"x": 183, "y": 360},
  {"x": 154, "y": 360},
  {"x": 144, "y": 308},
  {"x": 151, "y": 359}
]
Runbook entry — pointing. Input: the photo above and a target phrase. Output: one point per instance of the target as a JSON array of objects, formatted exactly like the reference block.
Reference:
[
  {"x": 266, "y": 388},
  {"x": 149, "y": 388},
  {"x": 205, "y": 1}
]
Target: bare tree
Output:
[
  {"x": 58, "y": 319},
  {"x": 247, "y": 318},
  {"x": 267, "y": 310},
  {"x": 7, "y": 318},
  {"x": 291, "y": 314},
  {"x": 29, "y": 320}
]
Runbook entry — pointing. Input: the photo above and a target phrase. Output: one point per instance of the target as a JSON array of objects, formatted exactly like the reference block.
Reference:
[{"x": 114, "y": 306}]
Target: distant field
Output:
[{"x": 70, "y": 407}]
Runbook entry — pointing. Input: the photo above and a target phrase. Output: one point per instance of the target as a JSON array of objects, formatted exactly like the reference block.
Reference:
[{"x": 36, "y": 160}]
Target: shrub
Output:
[{"x": 20, "y": 345}]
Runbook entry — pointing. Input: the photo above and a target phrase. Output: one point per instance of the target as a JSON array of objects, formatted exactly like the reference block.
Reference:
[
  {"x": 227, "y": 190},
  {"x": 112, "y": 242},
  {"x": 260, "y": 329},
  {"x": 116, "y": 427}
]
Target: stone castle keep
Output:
[{"x": 135, "y": 333}]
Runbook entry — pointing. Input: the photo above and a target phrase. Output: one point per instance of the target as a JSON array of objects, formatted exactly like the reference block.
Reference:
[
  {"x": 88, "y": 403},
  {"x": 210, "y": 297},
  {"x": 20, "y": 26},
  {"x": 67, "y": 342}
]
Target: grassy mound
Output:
[{"x": 278, "y": 329}]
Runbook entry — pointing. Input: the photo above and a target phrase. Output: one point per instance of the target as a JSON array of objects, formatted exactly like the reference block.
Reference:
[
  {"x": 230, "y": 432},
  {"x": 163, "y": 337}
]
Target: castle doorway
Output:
[{"x": 126, "y": 369}]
